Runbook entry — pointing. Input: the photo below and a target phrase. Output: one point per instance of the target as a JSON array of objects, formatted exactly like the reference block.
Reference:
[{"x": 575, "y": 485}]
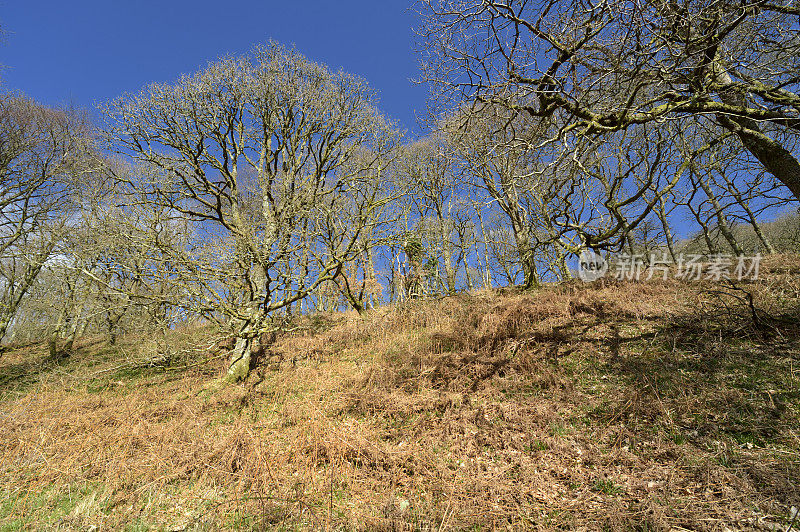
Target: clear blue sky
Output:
[{"x": 88, "y": 51}]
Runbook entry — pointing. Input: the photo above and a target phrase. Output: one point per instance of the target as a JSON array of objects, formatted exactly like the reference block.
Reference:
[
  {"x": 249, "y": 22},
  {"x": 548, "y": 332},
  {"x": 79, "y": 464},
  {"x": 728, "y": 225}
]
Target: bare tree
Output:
[
  {"x": 559, "y": 198},
  {"x": 358, "y": 281},
  {"x": 427, "y": 165},
  {"x": 749, "y": 190},
  {"x": 43, "y": 153},
  {"x": 601, "y": 67},
  {"x": 276, "y": 162}
]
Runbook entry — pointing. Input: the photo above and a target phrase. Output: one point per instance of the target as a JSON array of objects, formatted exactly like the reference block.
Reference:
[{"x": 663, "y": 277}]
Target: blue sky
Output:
[{"x": 87, "y": 51}]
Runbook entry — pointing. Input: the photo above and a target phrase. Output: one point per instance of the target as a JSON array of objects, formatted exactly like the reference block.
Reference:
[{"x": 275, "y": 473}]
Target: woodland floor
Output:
[{"x": 659, "y": 405}]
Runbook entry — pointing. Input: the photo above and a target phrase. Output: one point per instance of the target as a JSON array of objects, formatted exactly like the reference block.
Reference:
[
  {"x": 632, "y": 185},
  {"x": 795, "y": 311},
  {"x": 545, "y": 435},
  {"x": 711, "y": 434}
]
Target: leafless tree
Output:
[
  {"x": 606, "y": 66},
  {"x": 439, "y": 207},
  {"x": 43, "y": 154},
  {"x": 275, "y": 162},
  {"x": 559, "y": 199},
  {"x": 496, "y": 159}
]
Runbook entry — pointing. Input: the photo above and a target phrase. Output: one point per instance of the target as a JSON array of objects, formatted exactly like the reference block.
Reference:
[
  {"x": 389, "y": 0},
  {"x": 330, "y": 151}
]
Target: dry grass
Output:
[{"x": 658, "y": 405}]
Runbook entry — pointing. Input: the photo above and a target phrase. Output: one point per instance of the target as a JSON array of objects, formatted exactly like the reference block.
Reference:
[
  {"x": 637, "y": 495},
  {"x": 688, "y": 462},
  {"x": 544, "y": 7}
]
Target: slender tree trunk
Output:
[
  {"x": 712, "y": 248},
  {"x": 447, "y": 257},
  {"x": 73, "y": 330},
  {"x": 55, "y": 335},
  {"x": 722, "y": 221},
  {"x": 487, "y": 277},
  {"x": 765, "y": 241},
  {"x": 468, "y": 276},
  {"x": 373, "y": 299},
  {"x": 561, "y": 261},
  {"x": 662, "y": 215}
]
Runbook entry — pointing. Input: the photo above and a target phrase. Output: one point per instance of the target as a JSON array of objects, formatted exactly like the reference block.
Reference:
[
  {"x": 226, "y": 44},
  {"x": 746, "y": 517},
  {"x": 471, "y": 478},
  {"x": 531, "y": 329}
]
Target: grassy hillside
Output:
[{"x": 617, "y": 405}]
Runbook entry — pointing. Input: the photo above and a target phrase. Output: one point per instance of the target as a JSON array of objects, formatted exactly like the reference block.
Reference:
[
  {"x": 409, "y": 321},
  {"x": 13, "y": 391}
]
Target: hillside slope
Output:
[{"x": 653, "y": 405}]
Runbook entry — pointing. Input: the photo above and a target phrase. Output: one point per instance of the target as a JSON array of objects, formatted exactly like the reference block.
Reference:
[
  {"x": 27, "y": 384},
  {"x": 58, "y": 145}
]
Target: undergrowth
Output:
[{"x": 615, "y": 405}]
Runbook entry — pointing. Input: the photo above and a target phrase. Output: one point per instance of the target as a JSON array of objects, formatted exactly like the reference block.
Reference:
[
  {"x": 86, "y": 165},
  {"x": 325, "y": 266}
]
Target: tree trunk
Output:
[
  {"x": 447, "y": 256},
  {"x": 527, "y": 258},
  {"x": 631, "y": 244},
  {"x": 248, "y": 332},
  {"x": 765, "y": 241},
  {"x": 239, "y": 367},
  {"x": 712, "y": 248},
  {"x": 82, "y": 328},
  {"x": 4, "y": 323},
  {"x": 487, "y": 277},
  {"x": 111, "y": 326},
  {"x": 561, "y": 261},
  {"x": 373, "y": 300},
  {"x": 662, "y": 215},
  {"x": 73, "y": 330},
  {"x": 467, "y": 276},
  {"x": 722, "y": 221},
  {"x": 528, "y": 264},
  {"x": 52, "y": 343},
  {"x": 776, "y": 159}
]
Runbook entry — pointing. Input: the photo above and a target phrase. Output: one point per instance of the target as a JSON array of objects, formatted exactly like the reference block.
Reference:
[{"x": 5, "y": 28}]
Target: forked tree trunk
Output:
[
  {"x": 75, "y": 325},
  {"x": 765, "y": 241},
  {"x": 525, "y": 252},
  {"x": 712, "y": 248},
  {"x": 722, "y": 220},
  {"x": 240, "y": 359}
]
